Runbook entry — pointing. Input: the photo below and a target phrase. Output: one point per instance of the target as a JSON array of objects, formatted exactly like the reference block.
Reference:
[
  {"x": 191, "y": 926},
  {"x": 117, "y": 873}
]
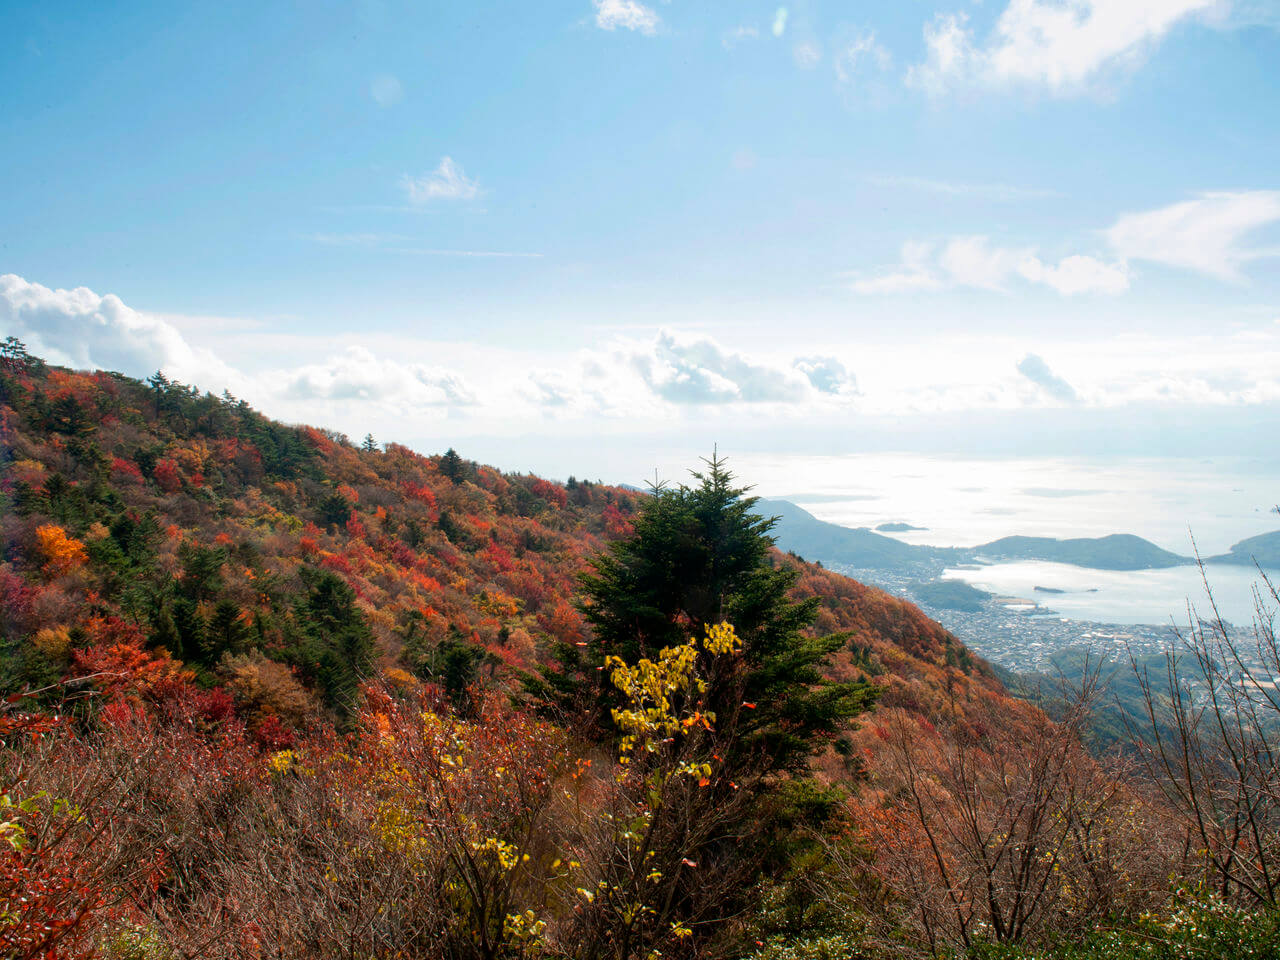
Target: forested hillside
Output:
[
  {"x": 192, "y": 527},
  {"x": 273, "y": 692}
]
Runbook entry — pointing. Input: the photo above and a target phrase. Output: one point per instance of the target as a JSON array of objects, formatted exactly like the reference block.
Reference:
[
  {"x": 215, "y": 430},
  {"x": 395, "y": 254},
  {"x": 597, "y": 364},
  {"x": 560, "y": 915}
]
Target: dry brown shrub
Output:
[{"x": 265, "y": 688}]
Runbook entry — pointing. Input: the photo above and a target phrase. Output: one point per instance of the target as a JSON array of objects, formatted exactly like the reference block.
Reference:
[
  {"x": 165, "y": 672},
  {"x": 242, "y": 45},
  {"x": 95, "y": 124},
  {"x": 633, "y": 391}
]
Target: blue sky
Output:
[{"x": 601, "y": 229}]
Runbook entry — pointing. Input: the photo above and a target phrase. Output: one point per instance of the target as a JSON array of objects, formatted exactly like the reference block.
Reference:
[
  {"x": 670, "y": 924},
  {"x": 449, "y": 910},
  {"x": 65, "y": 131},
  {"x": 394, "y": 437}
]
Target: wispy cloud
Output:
[
  {"x": 858, "y": 53},
  {"x": 399, "y": 243},
  {"x": 807, "y": 55},
  {"x": 915, "y": 272},
  {"x": 440, "y": 252},
  {"x": 627, "y": 14},
  {"x": 447, "y": 181},
  {"x": 1002, "y": 192},
  {"x": 1206, "y": 234},
  {"x": 354, "y": 239},
  {"x": 737, "y": 35},
  {"x": 1061, "y": 46}
]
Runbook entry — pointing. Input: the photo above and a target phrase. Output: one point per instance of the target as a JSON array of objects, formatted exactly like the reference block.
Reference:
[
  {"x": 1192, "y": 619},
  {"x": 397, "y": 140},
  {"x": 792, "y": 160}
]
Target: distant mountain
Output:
[
  {"x": 1120, "y": 551},
  {"x": 802, "y": 533},
  {"x": 1263, "y": 549}
]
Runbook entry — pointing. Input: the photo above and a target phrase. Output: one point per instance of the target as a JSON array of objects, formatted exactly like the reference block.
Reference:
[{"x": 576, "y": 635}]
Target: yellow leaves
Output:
[
  {"x": 650, "y": 687},
  {"x": 722, "y": 639},
  {"x": 524, "y": 927},
  {"x": 398, "y": 830},
  {"x": 281, "y": 761},
  {"x": 506, "y": 854}
]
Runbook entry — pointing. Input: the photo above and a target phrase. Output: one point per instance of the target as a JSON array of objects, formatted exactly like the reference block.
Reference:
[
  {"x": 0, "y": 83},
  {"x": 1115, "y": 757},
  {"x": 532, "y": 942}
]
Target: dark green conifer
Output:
[{"x": 701, "y": 555}]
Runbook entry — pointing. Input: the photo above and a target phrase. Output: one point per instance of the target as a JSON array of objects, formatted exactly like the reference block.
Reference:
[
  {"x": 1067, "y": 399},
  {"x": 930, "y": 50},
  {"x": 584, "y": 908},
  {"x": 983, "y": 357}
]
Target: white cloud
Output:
[
  {"x": 673, "y": 370},
  {"x": 1076, "y": 274},
  {"x": 675, "y": 384},
  {"x": 1037, "y": 371},
  {"x": 1205, "y": 234},
  {"x": 779, "y": 26},
  {"x": 80, "y": 328},
  {"x": 386, "y": 90},
  {"x": 1063, "y": 46},
  {"x": 698, "y": 370},
  {"x": 806, "y": 55},
  {"x": 358, "y": 374},
  {"x": 446, "y": 182},
  {"x": 85, "y": 330},
  {"x": 628, "y": 14},
  {"x": 973, "y": 261},
  {"x": 828, "y": 375},
  {"x": 950, "y": 54},
  {"x": 859, "y": 51}
]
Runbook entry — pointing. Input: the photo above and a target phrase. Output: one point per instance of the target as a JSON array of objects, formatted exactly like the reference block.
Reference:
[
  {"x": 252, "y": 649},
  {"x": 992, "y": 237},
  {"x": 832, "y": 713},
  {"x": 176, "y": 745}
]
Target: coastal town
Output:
[{"x": 1022, "y": 634}]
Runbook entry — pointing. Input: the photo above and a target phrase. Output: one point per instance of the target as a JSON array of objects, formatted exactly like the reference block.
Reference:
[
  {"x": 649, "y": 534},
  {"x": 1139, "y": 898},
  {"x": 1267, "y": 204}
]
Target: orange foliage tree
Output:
[{"x": 61, "y": 553}]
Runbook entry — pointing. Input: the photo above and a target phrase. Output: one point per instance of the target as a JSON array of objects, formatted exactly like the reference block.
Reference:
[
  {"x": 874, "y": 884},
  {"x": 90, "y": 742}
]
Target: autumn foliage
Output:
[
  {"x": 274, "y": 694},
  {"x": 61, "y": 554}
]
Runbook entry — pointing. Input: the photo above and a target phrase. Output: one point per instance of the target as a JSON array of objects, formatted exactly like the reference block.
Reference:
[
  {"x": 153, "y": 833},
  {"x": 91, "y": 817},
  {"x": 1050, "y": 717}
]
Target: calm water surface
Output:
[{"x": 1109, "y": 596}]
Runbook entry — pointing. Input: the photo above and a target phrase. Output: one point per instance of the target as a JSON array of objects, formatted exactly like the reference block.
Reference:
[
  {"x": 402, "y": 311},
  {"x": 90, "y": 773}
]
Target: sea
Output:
[{"x": 1188, "y": 506}]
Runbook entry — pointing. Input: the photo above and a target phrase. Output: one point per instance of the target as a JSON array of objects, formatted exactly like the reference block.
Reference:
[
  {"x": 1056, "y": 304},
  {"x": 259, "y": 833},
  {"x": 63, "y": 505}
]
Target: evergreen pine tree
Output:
[
  {"x": 701, "y": 555},
  {"x": 451, "y": 465}
]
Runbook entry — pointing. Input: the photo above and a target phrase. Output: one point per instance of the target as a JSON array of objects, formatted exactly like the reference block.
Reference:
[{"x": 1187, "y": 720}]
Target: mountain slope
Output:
[
  {"x": 202, "y": 587},
  {"x": 193, "y": 527}
]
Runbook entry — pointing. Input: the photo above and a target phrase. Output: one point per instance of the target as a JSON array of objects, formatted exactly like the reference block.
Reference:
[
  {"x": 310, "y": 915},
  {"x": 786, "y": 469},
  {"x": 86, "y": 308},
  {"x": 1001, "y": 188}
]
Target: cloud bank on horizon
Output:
[{"x": 644, "y": 383}]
